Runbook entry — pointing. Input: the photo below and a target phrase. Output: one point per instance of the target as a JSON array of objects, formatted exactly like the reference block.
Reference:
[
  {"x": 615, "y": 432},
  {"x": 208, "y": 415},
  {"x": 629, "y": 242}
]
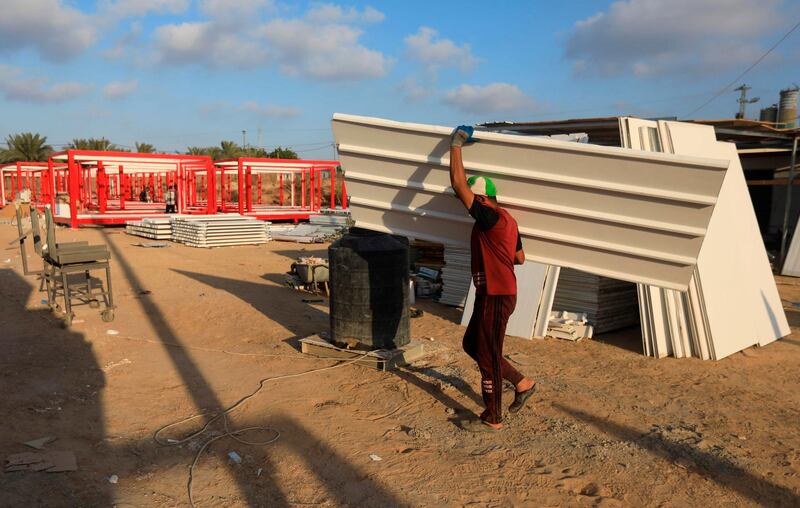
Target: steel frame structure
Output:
[
  {"x": 20, "y": 176},
  {"x": 103, "y": 186},
  {"x": 305, "y": 196}
]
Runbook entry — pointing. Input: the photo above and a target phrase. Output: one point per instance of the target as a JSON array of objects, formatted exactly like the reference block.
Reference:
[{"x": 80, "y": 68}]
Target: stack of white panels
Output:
[
  {"x": 155, "y": 228},
  {"x": 609, "y": 304},
  {"x": 218, "y": 230},
  {"x": 616, "y": 212},
  {"x": 456, "y": 276},
  {"x": 732, "y": 302}
]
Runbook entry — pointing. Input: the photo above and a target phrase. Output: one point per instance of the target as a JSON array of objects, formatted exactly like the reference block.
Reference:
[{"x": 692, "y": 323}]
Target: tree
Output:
[
  {"x": 231, "y": 150},
  {"x": 251, "y": 151},
  {"x": 101, "y": 144},
  {"x": 197, "y": 150},
  {"x": 26, "y": 146},
  {"x": 145, "y": 148},
  {"x": 283, "y": 153},
  {"x": 228, "y": 150}
]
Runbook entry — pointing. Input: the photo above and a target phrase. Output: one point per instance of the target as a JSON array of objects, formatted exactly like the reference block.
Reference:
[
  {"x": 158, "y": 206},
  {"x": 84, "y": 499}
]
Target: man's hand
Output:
[
  {"x": 458, "y": 178},
  {"x": 461, "y": 135}
]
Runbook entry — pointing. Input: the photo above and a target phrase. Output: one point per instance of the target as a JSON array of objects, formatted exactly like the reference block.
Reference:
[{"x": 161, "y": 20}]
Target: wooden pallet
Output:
[{"x": 381, "y": 360}]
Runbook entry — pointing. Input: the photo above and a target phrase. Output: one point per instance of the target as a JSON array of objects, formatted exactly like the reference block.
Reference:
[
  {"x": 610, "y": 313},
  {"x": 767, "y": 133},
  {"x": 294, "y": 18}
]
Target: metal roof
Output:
[{"x": 605, "y": 130}]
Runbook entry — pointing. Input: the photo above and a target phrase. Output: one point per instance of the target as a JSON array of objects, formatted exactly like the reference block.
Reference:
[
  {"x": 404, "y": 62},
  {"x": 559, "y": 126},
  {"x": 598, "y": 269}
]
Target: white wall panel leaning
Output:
[
  {"x": 732, "y": 302},
  {"x": 667, "y": 215},
  {"x": 616, "y": 212},
  {"x": 535, "y": 289}
]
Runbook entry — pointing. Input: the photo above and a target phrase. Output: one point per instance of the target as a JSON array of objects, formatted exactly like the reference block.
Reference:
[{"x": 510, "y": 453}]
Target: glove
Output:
[{"x": 462, "y": 134}]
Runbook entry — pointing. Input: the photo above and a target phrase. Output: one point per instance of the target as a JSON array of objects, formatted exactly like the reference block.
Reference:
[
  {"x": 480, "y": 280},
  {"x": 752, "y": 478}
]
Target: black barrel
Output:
[{"x": 369, "y": 289}]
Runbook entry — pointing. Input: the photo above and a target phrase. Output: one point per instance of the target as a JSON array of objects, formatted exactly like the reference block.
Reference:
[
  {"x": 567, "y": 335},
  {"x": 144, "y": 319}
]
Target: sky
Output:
[{"x": 178, "y": 73}]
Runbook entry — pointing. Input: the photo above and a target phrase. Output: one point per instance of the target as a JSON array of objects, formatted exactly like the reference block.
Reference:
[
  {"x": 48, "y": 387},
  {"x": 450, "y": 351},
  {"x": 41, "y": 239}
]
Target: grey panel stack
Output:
[
  {"x": 218, "y": 230},
  {"x": 305, "y": 233},
  {"x": 330, "y": 219},
  {"x": 456, "y": 276},
  {"x": 156, "y": 229},
  {"x": 609, "y": 304}
]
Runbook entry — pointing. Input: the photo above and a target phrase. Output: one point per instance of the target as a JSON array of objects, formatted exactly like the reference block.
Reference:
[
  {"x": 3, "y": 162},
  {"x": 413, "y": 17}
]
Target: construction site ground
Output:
[{"x": 197, "y": 329}]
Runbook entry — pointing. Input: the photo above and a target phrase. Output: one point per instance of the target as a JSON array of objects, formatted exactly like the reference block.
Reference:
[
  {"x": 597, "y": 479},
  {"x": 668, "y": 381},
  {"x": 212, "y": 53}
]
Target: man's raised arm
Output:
[{"x": 458, "y": 178}]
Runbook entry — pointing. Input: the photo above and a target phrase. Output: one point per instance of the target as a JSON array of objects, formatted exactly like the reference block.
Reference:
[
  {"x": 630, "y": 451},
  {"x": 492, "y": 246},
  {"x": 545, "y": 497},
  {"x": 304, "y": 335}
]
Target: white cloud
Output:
[
  {"x": 124, "y": 42},
  {"x": 412, "y": 90},
  {"x": 330, "y": 52},
  {"x": 120, "y": 89},
  {"x": 435, "y": 53},
  {"x": 236, "y": 10},
  {"x": 270, "y": 111},
  {"x": 200, "y": 42},
  {"x": 51, "y": 27},
  {"x": 331, "y": 13},
  {"x": 492, "y": 98},
  {"x": 127, "y": 8},
  {"x": 15, "y": 86},
  {"x": 652, "y": 37},
  {"x": 324, "y": 44}
]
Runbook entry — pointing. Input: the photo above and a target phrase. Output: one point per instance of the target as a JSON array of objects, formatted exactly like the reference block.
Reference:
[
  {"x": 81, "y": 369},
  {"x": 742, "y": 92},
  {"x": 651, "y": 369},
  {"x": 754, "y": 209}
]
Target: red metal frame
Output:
[
  {"x": 305, "y": 176},
  {"x": 103, "y": 186},
  {"x": 34, "y": 176}
]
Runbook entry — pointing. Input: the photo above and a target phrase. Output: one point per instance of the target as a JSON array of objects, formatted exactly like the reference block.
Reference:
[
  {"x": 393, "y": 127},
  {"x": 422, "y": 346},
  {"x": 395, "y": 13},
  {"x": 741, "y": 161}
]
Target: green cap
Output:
[{"x": 482, "y": 185}]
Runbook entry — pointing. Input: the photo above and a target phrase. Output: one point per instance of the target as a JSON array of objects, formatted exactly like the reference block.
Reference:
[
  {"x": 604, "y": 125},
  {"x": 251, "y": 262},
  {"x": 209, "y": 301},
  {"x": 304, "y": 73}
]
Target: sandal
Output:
[
  {"x": 478, "y": 426},
  {"x": 520, "y": 398}
]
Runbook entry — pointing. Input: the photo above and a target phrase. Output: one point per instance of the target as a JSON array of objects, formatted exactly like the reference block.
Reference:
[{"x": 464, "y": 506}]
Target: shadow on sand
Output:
[
  {"x": 51, "y": 384},
  {"x": 717, "y": 469}
]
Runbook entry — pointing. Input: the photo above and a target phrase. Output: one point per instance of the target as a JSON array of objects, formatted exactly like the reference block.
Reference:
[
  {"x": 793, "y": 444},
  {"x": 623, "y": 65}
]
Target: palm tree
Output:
[
  {"x": 101, "y": 144},
  {"x": 228, "y": 150},
  {"x": 145, "y": 148},
  {"x": 26, "y": 146},
  {"x": 197, "y": 150}
]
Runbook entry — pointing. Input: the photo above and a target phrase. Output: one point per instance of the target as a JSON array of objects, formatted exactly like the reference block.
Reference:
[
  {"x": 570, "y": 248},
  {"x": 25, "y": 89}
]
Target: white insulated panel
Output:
[
  {"x": 741, "y": 300},
  {"x": 620, "y": 213}
]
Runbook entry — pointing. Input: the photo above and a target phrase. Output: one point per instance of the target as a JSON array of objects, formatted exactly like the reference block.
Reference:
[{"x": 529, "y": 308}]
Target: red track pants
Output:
[{"x": 483, "y": 342}]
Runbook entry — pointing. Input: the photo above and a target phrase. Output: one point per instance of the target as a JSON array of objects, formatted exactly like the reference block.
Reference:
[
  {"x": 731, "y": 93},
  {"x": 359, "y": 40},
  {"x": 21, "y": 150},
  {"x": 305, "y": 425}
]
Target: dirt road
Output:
[{"x": 198, "y": 329}]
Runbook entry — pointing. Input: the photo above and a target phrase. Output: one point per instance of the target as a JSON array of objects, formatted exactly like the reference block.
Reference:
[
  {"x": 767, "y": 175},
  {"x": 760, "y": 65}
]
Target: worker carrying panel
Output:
[{"x": 616, "y": 212}]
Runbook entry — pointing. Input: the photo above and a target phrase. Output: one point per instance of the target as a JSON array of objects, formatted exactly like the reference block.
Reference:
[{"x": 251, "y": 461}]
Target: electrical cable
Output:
[
  {"x": 234, "y": 434},
  {"x": 740, "y": 76},
  {"x": 212, "y": 350}
]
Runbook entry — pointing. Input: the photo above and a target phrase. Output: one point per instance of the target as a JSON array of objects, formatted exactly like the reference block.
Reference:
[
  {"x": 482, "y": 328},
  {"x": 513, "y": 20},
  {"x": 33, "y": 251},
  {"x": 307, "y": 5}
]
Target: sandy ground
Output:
[{"x": 198, "y": 329}]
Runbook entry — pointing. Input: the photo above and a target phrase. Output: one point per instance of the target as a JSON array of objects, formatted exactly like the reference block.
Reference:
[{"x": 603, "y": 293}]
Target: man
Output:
[
  {"x": 171, "y": 199},
  {"x": 495, "y": 247}
]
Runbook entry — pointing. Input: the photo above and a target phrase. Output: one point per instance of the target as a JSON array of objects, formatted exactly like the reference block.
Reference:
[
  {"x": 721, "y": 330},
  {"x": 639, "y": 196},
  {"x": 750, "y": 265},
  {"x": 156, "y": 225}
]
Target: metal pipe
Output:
[{"x": 788, "y": 204}]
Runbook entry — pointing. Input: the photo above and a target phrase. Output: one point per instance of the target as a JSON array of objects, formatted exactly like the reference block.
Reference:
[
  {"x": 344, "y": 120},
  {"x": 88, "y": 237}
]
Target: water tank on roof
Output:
[
  {"x": 369, "y": 289},
  {"x": 787, "y": 112},
  {"x": 769, "y": 114}
]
